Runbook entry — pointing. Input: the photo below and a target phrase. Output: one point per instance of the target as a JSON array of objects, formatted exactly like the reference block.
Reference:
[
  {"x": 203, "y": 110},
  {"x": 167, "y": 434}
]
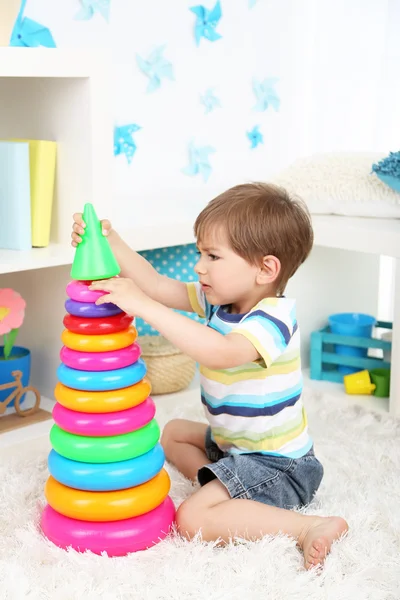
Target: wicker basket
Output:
[{"x": 168, "y": 369}]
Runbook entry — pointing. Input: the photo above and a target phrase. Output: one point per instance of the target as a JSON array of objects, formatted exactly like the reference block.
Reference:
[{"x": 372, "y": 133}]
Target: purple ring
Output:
[{"x": 90, "y": 310}]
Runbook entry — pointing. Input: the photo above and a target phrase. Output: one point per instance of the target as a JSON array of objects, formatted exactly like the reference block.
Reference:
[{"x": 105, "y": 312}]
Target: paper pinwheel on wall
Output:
[
  {"x": 123, "y": 141},
  {"x": 198, "y": 161},
  {"x": 90, "y": 7},
  {"x": 155, "y": 67},
  {"x": 209, "y": 101},
  {"x": 265, "y": 94},
  {"x": 30, "y": 34},
  {"x": 255, "y": 136},
  {"x": 252, "y": 3},
  {"x": 206, "y": 22}
]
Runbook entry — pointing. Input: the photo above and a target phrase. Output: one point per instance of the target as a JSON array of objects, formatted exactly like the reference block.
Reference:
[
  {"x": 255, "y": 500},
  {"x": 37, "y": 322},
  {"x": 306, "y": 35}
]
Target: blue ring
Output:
[
  {"x": 101, "y": 381},
  {"x": 107, "y": 476},
  {"x": 90, "y": 309}
]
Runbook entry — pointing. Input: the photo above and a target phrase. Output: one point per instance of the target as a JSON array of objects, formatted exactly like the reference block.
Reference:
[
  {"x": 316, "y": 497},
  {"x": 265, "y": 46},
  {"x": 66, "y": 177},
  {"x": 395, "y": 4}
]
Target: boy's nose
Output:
[{"x": 199, "y": 267}]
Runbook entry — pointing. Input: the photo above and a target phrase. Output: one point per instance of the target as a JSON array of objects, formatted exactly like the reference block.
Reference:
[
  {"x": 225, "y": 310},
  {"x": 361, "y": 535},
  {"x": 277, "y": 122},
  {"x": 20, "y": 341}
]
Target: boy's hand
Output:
[
  {"x": 78, "y": 229},
  {"x": 122, "y": 292}
]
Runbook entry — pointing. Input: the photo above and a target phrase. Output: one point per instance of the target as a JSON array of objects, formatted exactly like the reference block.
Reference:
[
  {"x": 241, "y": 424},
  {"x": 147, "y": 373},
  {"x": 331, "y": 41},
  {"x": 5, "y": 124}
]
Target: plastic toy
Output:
[
  {"x": 99, "y": 343},
  {"x": 325, "y": 361},
  {"x": 116, "y": 537},
  {"x": 102, "y": 402},
  {"x": 358, "y": 383},
  {"x": 107, "y": 490},
  {"x": 355, "y": 325}
]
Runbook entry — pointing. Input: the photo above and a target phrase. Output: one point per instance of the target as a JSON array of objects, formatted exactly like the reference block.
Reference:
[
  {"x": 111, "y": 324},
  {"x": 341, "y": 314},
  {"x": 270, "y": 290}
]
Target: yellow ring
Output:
[
  {"x": 107, "y": 506},
  {"x": 99, "y": 343},
  {"x": 103, "y": 402}
]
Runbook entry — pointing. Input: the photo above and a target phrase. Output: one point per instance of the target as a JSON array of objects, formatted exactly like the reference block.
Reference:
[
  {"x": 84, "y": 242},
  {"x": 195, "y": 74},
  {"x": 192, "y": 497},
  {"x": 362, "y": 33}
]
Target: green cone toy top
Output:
[{"x": 94, "y": 258}]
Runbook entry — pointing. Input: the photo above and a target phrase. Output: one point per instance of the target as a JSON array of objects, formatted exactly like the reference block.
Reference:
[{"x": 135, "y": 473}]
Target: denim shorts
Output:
[{"x": 274, "y": 480}]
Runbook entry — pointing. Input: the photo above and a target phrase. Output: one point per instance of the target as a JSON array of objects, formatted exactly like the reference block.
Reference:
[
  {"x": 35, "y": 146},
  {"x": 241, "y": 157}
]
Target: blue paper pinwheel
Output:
[
  {"x": 123, "y": 141},
  {"x": 265, "y": 94},
  {"x": 210, "y": 101},
  {"x": 90, "y": 7},
  {"x": 198, "y": 161},
  {"x": 252, "y": 3},
  {"x": 255, "y": 136},
  {"x": 155, "y": 67},
  {"x": 206, "y": 22},
  {"x": 30, "y": 34}
]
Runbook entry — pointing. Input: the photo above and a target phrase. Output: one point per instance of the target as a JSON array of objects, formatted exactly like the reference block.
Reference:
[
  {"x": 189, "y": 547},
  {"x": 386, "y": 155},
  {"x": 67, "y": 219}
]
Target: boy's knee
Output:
[
  {"x": 188, "y": 519},
  {"x": 170, "y": 433}
]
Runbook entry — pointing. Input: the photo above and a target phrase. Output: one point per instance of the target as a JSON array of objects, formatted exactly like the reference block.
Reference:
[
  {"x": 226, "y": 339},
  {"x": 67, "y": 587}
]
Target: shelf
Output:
[
  {"x": 374, "y": 236},
  {"x": 56, "y": 255},
  {"x": 48, "y": 62}
]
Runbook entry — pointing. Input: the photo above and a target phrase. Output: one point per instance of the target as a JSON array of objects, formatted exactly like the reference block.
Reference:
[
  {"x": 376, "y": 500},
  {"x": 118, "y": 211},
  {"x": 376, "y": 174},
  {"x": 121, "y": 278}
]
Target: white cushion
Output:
[{"x": 341, "y": 184}]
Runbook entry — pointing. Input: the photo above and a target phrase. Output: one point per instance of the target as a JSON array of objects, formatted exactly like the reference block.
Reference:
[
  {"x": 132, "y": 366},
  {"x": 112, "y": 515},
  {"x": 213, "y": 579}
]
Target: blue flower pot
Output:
[
  {"x": 355, "y": 325},
  {"x": 19, "y": 360}
]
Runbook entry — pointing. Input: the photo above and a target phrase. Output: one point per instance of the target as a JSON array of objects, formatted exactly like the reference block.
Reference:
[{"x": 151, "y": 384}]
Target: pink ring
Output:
[
  {"x": 100, "y": 361},
  {"x": 104, "y": 424},
  {"x": 116, "y": 538},
  {"x": 79, "y": 291}
]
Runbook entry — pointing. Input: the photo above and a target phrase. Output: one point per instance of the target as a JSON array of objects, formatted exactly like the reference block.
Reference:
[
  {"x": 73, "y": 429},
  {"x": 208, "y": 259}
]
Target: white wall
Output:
[{"x": 336, "y": 62}]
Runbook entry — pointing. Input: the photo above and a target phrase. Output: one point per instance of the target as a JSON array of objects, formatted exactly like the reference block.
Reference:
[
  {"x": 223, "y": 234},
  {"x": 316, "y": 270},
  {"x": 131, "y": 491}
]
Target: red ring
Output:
[{"x": 97, "y": 326}]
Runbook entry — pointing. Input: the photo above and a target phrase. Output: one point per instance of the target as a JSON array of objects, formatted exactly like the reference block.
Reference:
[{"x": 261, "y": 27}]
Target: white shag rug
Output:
[{"x": 361, "y": 455}]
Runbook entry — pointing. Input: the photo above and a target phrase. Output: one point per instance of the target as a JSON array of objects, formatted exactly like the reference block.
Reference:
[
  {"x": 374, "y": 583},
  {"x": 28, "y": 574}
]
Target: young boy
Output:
[{"x": 255, "y": 460}]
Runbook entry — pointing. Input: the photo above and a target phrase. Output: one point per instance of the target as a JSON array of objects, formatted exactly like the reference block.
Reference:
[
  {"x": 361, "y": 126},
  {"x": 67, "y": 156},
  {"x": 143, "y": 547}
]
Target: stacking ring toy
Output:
[
  {"x": 97, "y": 326},
  {"x": 94, "y": 381},
  {"x": 104, "y": 477},
  {"x": 79, "y": 291},
  {"x": 113, "y": 448},
  {"x": 116, "y": 538},
  {"x": 102, "y": 402},
  {"x": 100, "y": 361},
  {"x": 99, "y": 343},
  {"x": 107, "y": 506},
  {"x": 88, "y": 309},
  {"x": 104, "y": 424}
]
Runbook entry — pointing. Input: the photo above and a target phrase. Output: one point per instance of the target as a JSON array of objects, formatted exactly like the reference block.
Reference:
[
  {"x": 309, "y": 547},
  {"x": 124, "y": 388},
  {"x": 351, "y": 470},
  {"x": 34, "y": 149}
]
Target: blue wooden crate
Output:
[{"x": 324, "y": 361}]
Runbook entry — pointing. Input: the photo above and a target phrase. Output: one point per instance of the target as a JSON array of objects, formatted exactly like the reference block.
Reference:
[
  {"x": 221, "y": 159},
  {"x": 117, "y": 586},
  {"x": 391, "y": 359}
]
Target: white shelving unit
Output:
[
  {"x": 376, "y": 237},
  {"x": 62, "y": 95}
]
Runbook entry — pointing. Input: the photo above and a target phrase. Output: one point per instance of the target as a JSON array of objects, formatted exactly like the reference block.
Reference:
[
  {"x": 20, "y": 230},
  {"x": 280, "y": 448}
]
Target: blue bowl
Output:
[{"x": 354, "y": 325}]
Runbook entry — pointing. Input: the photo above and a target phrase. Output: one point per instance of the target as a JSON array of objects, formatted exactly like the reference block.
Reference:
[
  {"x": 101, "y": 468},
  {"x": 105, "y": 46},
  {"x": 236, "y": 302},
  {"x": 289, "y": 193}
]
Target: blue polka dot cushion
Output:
[{"x": 176, "y": 262}]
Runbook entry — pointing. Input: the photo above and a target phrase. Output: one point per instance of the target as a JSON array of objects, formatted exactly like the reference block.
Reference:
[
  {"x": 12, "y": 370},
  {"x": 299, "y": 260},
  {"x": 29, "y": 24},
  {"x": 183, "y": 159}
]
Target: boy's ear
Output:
[{"x": 270, "y": 270}]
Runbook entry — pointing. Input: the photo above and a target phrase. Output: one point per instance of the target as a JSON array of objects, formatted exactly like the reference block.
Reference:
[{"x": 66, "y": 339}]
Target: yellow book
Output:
[{"x": 42, "y": 159}]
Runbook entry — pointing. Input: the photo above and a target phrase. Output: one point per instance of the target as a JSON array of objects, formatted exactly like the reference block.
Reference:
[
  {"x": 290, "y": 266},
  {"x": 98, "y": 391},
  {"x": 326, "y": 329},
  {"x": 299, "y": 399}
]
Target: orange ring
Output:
[
  {"x": 103, "y": 402},
  {"x": 107, "y": 506},
  {"x": 99, "y": 343}
]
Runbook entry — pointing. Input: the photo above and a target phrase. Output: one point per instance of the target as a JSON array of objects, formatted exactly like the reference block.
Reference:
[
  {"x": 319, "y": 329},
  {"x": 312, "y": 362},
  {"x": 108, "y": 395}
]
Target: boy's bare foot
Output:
[{"x": 316, "y": 542}]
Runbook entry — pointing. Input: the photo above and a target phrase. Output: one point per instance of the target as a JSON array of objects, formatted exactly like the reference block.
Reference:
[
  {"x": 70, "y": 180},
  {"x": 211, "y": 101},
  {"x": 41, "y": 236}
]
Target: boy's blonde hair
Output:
[{"x": 261, "y": 219}]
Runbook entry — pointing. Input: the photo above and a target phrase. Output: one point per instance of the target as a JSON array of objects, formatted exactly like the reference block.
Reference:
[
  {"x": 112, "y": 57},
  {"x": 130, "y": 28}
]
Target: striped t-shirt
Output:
[{"x": 256, "y": 407}]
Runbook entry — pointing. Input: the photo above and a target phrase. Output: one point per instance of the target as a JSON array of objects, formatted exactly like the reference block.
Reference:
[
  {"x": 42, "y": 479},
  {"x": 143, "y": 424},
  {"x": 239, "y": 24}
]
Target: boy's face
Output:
[{"x": 225, "y": 277}]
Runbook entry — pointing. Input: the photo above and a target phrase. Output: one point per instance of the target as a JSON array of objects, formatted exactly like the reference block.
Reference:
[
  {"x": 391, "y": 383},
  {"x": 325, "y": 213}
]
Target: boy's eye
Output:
[
  {"x": 213, "y": 257},
  {"x": 198, "y": 252}
]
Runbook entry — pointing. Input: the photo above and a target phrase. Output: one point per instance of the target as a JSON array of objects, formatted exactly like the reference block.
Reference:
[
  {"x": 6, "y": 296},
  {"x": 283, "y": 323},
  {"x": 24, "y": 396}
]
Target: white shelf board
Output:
[
  {"x": 372, "y": 403},
  {"x": 374, "y": 236},
  {"x": 47, "y": 62},
  {"x": 56, "y": 255}
]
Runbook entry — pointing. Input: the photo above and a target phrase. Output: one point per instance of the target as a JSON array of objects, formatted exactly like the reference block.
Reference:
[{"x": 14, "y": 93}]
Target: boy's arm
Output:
[
  {"x": 163, "y": 289},
  {"x": 205, "y": 345}
]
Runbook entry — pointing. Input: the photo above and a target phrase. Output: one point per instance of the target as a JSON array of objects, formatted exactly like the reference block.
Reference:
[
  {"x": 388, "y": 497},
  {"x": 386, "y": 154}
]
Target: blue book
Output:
[{"x": 15, "y": 197}]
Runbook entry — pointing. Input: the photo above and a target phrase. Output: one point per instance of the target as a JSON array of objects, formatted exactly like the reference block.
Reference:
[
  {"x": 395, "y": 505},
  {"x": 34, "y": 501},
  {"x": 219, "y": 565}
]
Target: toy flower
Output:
[{"x": 12, "y": 313}]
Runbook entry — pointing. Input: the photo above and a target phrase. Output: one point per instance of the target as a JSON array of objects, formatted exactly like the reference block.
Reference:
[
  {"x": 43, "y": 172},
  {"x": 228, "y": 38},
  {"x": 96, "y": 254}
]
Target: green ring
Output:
[{"x": 113, "y": 448}]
